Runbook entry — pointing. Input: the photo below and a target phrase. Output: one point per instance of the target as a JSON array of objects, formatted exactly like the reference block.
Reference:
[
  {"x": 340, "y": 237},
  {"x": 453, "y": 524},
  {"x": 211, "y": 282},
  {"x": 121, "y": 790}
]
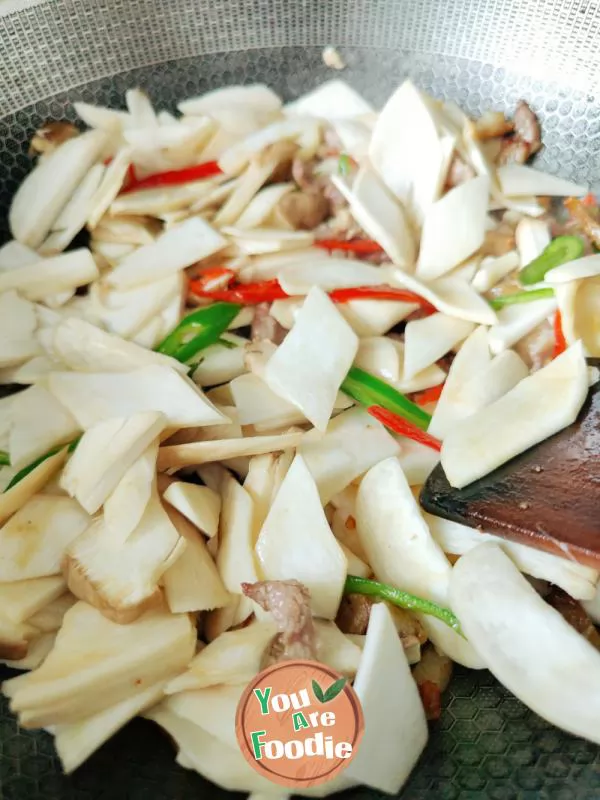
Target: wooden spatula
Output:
[{"x": 548, "y": 497}]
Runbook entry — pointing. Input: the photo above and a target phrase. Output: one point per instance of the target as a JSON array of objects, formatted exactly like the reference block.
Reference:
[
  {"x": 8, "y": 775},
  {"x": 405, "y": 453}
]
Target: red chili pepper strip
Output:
[
  {"x": 358, "y": 246},
  {"x": 246, "y": 293},
  {"x": 560, "y": 343},
  {"x": 431, "y": 697},
  {"x": 176, "y": 177},
  {"x": 589, "y": 200},
  {"x": 428, "y": 395},
  {"x": 401, "y": 426},
  {"x": 379, "y": 293}
]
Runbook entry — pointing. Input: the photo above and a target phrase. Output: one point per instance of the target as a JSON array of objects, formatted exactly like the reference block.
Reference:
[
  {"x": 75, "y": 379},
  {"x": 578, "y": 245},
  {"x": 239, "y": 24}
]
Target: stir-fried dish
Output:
[{"x": 237, "y": 341}]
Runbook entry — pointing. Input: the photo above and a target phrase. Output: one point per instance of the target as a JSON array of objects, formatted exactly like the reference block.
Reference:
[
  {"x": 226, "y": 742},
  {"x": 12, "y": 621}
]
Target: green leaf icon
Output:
[
  {"x": 318, "y": 692},
  {"x": 331, "y": 693},
  {"x": 334, "y": 690}
]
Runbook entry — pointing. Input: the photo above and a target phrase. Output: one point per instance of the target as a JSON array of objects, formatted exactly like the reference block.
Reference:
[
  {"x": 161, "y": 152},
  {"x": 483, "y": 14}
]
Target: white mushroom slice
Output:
[
  {"x": 331, "y": 100},
  {"x": 22, "y": 599},
  {"x": 121, "y": 578},
  {"x": 126, "y": 312},
  {"x": 372, "y": 317},
  {"x": 256, "y": 174},
  {"x": 33, "y": 542},
  {"x": 96, "y": 396},
  {"x": 428, "y": 339},
  {"x": 578, "y": 304},
  {"x": 49, "y": 619},
  {"x": 255, "y": 96},
  {"x": 14, "y": 497},
  {"x": 424, "y": 379},
  {"x": 221, "y": 363},
  {"x": 110, "y": 186},
  {"x": 74, "y": 215},
  {"x": 224, "y": 766},
  {"x": 18, "y": 322},
  {"x": 296, "y": 542},
  {"x": 39, "y": 423},
  {"x": 212, "y": 708},
  {"x": 236, "y": 560},
  {"x": 417, "y": 461},
  {"x": 51, "y": 275},
  {"x": 450, "y": 295},
  {"x": 37, "y": 651},
  {"x": 527, "y": 644},
  {"x": 177, "y": 248},
  {"x": 517, "y": 180},
  {"x": 268, "y": 240},
  {"x": 403, "y": 553},
  {"x": 586, "y": 267},
  {"x": 474, "y": 381},
  {"x": 79, "y": 678},
  {"x": 232, "y": 658},
  {"x": 140, "y": 109},
  {"x": 353, "y": 443},
  {"x": 107, "y": 119},
  {"x": 13, "y": 255},
  {"x": 329, "y": 274},
  {"x": 45, "y": 191},
  {"x": 532, "y": 237},
  {"x": 258, "y": 405},
  {"x": 125, "y": 506},
  {"x": 199, "y": 504},
  {"x": 391, "y": 706},
  {"x": 188, "y": 455},
  {"x": 76, "y": 742},
  {"x": 260, "y": 208},
  {"x": 538, "y": 406},
  {"x": 409, "y": 158},
  {"x": 576, "y": 579},
  {"x": 104, "y": 454},
  {"x": 515, "y": 322},
  {"x": 85, "y": 348},
  {"x": 453, "y": 228},
  {"x": 380, "y": 214},
  {"x": 493, "y": 269},
  {"x": 310, "y": 365},
  {"x": 161, "y": 201},
  {"x": 379, "y": 356},
  {"x": 193, "y": 583},
  {"x": 233, "y": 160}
]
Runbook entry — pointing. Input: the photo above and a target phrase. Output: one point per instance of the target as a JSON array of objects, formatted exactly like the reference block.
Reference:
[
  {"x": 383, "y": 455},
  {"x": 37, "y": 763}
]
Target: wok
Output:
[{"x": 482, "y": 54}]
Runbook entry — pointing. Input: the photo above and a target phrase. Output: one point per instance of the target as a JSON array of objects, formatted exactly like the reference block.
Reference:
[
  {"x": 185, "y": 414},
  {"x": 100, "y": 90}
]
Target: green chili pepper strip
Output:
[
  {"x": 521, "y": 297},
  {"x": 383, "y": 591},
  {"x": 4, "y": 458},
  {"x": 368, "y": 390},
  {"x": 559, "y": 251},
  {"x": 199, "y": 330},
  {"x": 23, "y": 473},
  {"x": 344, "y": 164}
]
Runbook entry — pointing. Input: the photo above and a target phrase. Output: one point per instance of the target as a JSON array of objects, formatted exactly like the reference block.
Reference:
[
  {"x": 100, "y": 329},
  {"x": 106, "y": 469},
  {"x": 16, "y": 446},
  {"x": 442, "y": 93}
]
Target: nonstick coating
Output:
[{"x": 487, "y": 745}]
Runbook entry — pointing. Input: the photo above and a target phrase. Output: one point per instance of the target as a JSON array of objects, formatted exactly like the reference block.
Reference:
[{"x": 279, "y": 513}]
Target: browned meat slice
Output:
[
  {"x": 525, "y": 141},
  {"x": 527, "y": 127},
  {"x": 498, "y": 242},
  {"x": 584, "y": 218},
  {"x": 459, "y": 172},
  {"x": 304, "y": 210},
  {"x": 264, "y": 326},
  {"x": 574, "y": 613},
  {"x": 536, "y": 349},
  {"x": 51, "y": 135},
  {"x": 353, "y": 613},
  {"x": 432, "y": 674},
  {"x": 289, "y": 604}
]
